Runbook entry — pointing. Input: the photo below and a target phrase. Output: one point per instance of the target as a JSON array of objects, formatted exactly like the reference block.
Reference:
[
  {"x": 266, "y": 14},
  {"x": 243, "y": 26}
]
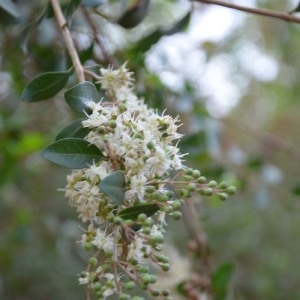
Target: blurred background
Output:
[{"x": 234, "y": 80}]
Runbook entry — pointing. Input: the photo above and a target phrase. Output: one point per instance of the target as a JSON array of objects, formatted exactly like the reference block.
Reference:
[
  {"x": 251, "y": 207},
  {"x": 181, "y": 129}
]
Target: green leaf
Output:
[
  {"x": 297, "y": 9},
  {"x": 132, "y": 213},
  {"x": 134, "y": 15},
  {"x": 179, "y": 25},
  {"x": 220, "y": 280},
  {"x": 74, "y": 129},
  {"x": 72, "y": 153},
  {"x": 10, "y": 8},
  {"x": 71, "y": 8},
  {"x": 31, "y": 27},
  {"x": 79, "y": 96},
  {"x": 45, "y": 86},
  {"x": 113, "y": 186},
  {"x": 296, "y": 190},
  {"x": 144, "y": 44}
]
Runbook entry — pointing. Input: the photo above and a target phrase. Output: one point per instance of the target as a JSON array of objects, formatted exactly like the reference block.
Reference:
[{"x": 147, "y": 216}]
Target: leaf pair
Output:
[{"x": 47, "y": 85}]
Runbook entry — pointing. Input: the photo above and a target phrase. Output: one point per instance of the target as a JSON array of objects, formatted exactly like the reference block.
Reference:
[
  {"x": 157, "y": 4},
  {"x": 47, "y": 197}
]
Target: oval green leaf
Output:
[
  {"x": 72, "y": 153},
  {"x": 132, "y": 213},
  {"x": 80, "y": 95},
  {"x": 45, "y": 86},
  {"x": 113, "y": 186},
  {"x": 134, "y": 15},
  {"x": 74, "y": 129},
  {"x": 221, "y": 279}
]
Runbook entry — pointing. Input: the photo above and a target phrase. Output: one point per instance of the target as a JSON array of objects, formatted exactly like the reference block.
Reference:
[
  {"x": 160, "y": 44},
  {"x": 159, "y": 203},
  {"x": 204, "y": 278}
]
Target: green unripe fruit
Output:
[
  {"x": 129, "y": 285},
  {"x": 142, "y": 217},
  {"x": 148, "y": 222},
  {"x": 231, "y": 190},
  {"x": 117, "y": 220},
  {"x": 101, "y": 129},
  {"x": 93, "y": 261},
  {"x": 189, "y": 171},
  {"x": 167, "y": 209},
  {"x": 146, "y": 278},
  {"x": 208, "y": 192},
  {"x": 133, "y": 260},
  {"x": 88, "y": 246},
  {"x": 124, "y": 296},
  {"x": 165, "y": 267},
  {"x": 176, "y": 204},
  {"x": 156, "y": 239},
  {"x": 155, "y": 293},
  {"x": 142, "y": 269},
  {"x": 162, "y": 258},
  {"x": 170, "y": 194},
  {"x": 97, "y": 286},
  {"x": 191, "y": 187},
  {"x": 177, "y": 215},
  {"x": 196, "y": 174},
  {"x": 110, "y": 217},
  {"x": 165, "y": 293},
  {"x": 84, "y": 274},
  {"x": 151, "y": 146},
  {"x": 163, "y": 198},
  {"x": 150, "y": 189},
  {"x": 201, "y": 179},
  {"x": 112, "y": 124},
  {"x": 212, "y": 184},
  {"x": 152, "y": 279},
  {"x": 223, "y": 185},
  {"x": 146, "y": 230},
  {"x": 223, "y": 196}
]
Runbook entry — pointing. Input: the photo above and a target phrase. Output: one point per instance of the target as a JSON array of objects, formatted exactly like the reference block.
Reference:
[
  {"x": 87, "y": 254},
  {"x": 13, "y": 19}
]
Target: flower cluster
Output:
[{"x": 147, "y": 181}]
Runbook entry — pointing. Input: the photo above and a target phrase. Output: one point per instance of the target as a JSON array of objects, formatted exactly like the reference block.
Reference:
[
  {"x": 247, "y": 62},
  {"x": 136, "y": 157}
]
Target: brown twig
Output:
[
  {"x": 285, "y": 16},
  {"x": 62, "y": 23}
]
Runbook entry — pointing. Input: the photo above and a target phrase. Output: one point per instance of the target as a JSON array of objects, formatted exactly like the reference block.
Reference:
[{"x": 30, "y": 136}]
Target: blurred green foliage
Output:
[{"x": 256, "y": 146}]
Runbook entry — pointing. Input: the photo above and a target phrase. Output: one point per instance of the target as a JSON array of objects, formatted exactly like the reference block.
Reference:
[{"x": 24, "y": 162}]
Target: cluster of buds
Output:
[{"x": 125, "y": 198}]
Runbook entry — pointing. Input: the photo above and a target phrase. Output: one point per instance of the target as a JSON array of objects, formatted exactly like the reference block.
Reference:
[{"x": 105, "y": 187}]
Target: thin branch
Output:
[
  {"x": 62, "y": 23},
  {"x": 285, "y": 16},
  {"x": 90, "y": 22}
]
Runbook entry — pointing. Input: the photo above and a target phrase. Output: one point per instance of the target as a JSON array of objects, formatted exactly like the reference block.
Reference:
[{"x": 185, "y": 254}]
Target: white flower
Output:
[{"x": 102, "y": 241}]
